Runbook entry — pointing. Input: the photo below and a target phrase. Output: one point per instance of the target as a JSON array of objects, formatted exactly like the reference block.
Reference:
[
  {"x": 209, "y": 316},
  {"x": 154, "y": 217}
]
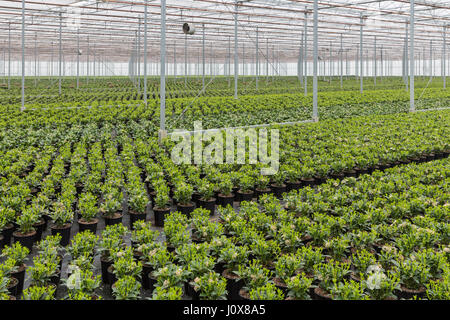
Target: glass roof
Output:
[{"x": 110, "y": 27}]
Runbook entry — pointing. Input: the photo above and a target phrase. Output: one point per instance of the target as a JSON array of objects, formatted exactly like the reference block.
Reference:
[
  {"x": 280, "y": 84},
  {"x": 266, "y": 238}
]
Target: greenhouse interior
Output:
[{"x": 224, "y": 150}]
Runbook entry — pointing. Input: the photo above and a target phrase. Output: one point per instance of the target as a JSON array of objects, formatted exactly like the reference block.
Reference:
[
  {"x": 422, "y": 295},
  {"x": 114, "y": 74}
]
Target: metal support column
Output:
[
  {"x": 361, "y": 67},
  {"x": 203, "y": 58},
  {"x": 316, "y": 49},
  {"x": 236, "y": 54},
  {"x": 60, "y": 53},
  {"x": 162, "y": 111},
  {"x": 412, "y": 107},
  {"x": 23, "y": 56},
  {"x": 375, "y": 62},
  {"x": 444, "y": 75},
  {"x": 342, "y": 63},
  {"x": 9, "y": 55},
  {"x": 35, "y": 59},
  {"x": 78, "y": 59},
  {"x": 305, "y": 54},
  {"x": 145, "y": 51},
  {"x": 257, "y": 57}
]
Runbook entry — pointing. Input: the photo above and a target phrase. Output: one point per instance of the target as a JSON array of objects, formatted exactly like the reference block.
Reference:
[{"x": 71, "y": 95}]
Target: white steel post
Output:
[
  {"x": 236, "y": 54},
  {"x": 305, "y": 55},
  {"x": 35, "y": 59},
  {"x": 145, "y": 51},
  {"x": 375, "y": 62},
  {"x": 162, "y": 124},
  {"x": 60, "y": 53},
  {"x": 412, "y": 67},
  {"x": 316, "y": 49},
  {"x": 361, "y": 67},
  {"x": 78, "y": 59},
  {"x": 203, "y": 57},
  {"x": 444, "y": 74},
  {"x": 342, "y": 62},
  {"x": 23, "y": 56},
  {"x": 257, "y": 57}
]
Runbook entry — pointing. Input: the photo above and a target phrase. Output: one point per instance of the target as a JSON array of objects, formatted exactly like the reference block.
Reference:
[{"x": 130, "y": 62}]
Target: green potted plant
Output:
[
  {"x": 233, "y": 256},
  {"x": 381, "y": 285},
  {"x": 44, "y": 272},
  {"x": 161, "y": 206},
  {"x": 246, "y": 185},
  {"x": 7, "y": 217},
  {"x": 172, "y": 293},
  {"x": 414, "y": 276},
  {"x": 18, "y": 254},
  {"x": 126, "y": 288},
  {"x": 266, "y": 292},
  {"x": 262, "y": 186},
  {"x": 170, "y": 275},
  {"x": 328, "y": 274},
  {"x": 8, "y": 284},
  {"x": 111, "y": 208},
  {"x": 210, "y": 286},
  {"x": 183, "y": 195},
  {"x": 62, "y": 222},
  {"x": 285, "y": 268},
  {"x": 83, "y": 281},
  {"x": 278, "y": 186},
  {"x": 88, "y": 212},
  {"x": 83, "y": 244},
  {"x": 124, "y": 265},
  {"x": 153, "y": 257},
  {"x": 137, "y": 205},
  {"x": 349, "y": 290},
  {"x": 252, "y": 276},
  {"x": 225, "y": 196},
  {"x": 39, "y": 293},
  {"x": 207, "y": 200},
  {"x": 26, "y": 232},
  {"x": 299, "y": 287}
]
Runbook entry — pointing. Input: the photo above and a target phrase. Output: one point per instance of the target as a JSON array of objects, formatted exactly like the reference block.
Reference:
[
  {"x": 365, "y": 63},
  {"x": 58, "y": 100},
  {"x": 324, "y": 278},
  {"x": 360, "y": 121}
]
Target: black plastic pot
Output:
[
  {"x": 245, "y": 196},
  {"x": 56, "y": 278},
  {"x": 224, "y": 201},
  {"x": 278, "y": 190},
  {"x": 146, "y": 270},
  {"x": 189, "y": 290},
  {"x": 260, "y": 193},
  {"x": 111, "y": 276},
  {"x": 209, "y": 205},
  {"x": 12, "y": 287},
  {"x": 186, "y": 209},
  {"x": 219, "y": 267},
  {"x": 40, "y": 228},
  {"x": 160, "y": 215},
  {"x": 20, "y": 276},
  {"x": 151, "y": 282},
  {"x": 244, "y": 295},
  {"x": 64, "y": 231},
  {"x": 7, "y": 234},
  {"x": 295, "y": 185},
  {"x": 116, "y": 219},
  {"x": 91, "y": 226},
  {"x": 338, "y": 175},
  {"x": 233, "y": 285},
  {"x": 308, "y": 182},
  {"x": 104, "y": 267},
  {"x": 25, "y": 240},
  {"x": 134, "y": 216},
  {"x": 405, "y": 293}
]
